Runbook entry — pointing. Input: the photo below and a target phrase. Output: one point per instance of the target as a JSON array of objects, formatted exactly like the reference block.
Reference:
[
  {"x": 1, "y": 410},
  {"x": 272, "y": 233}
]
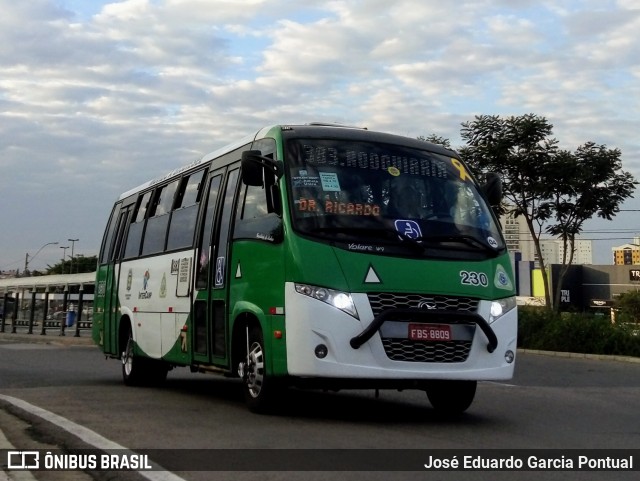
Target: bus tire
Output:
[
  {"x": 140, "y": 371},
  {"x": 451, "y": 397},
  {"x": 260, "y": 390}
]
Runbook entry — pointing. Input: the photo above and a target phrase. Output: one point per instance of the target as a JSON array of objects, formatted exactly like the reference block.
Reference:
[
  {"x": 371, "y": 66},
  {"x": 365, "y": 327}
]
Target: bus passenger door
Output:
[
  {"x": 209, "y": 321},
  {"x": 221, "y": 266},
  {"x": 111, "y": 305},
  {"x": 201, "y": 322}
]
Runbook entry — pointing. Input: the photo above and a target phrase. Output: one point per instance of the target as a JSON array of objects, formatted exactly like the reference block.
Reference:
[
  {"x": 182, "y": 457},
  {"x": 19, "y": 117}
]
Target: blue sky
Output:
[{"x": 97, "y": 97}]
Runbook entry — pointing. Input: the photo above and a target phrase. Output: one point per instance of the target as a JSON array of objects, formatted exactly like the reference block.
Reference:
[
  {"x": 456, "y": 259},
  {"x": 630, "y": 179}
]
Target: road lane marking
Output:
[{"x": 87, "y": 435}]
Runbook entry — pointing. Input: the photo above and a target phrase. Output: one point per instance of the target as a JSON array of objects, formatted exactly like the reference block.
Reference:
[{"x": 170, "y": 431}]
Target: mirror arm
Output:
[{"x": 268, "y": 163}]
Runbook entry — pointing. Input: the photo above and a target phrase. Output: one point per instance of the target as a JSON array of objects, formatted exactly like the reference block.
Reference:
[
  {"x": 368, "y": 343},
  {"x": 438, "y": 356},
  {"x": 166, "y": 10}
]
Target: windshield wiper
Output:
[
  {"x": 376, "y": 231},
  {"x": 420, "y": 244},
  {"x": 461, "y": 239}
]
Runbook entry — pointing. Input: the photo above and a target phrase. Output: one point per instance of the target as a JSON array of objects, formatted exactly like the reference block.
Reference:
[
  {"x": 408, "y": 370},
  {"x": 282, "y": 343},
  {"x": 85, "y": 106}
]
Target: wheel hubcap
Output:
[
  {"x": 254, "y": 370},
  {"x": 127, "y": 357}
]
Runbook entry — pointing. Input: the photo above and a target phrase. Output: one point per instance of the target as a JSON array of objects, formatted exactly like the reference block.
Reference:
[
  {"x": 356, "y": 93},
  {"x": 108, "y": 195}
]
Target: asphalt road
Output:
[{"x": 552, "y": 403}]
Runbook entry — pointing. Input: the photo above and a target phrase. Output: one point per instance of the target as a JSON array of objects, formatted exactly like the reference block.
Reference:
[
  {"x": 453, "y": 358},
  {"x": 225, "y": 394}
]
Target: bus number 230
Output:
[{"x": 474, "y": 279}]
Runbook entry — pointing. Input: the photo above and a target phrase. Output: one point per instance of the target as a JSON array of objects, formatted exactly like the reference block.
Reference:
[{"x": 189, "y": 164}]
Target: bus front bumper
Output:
[{"x": 320, "y": 345}]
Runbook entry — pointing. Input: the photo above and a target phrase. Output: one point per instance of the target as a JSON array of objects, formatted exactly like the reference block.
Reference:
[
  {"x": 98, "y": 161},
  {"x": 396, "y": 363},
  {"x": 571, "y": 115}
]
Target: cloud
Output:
[{"x": 97, "y": 97}]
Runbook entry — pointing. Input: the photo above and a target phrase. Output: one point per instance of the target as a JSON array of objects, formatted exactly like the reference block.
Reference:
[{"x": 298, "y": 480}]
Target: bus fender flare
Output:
[
  {"x": 244, "y": 308},
  {"x": 243, "y": 314},
  {"x": 127, "y": 315}
]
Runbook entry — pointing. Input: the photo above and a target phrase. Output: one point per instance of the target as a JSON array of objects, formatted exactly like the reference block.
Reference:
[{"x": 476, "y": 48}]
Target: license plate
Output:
[{"x": 430, "y": 332}]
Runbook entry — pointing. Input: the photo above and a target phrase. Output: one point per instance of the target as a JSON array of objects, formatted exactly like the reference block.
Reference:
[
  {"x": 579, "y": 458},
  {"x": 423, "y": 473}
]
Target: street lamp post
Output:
[
  {"x": 73, "y": 242},
  {"x": 64, "y": 256},
  {"x": 26, "y": 259}
]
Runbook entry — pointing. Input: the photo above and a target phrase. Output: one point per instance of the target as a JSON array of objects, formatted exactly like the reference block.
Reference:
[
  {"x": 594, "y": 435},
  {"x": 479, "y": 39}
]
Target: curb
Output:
[{"x": 579, "y": 355}]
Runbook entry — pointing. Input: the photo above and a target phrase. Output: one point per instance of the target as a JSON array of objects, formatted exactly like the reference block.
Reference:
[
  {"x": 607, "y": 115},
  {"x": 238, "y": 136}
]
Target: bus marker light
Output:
[
  {"x": 509, "y": 356},
  {"x": 184, "y": 328},
  {"x": 277, "y": 334},
  {"x": 171, "y": 309},
  {"x": 321, "y": 351},
  {"x": 276, "y": 311}
]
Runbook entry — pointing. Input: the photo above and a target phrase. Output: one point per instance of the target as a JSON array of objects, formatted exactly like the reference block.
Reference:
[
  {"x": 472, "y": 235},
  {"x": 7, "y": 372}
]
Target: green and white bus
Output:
[{"x": 315, "y": 256}]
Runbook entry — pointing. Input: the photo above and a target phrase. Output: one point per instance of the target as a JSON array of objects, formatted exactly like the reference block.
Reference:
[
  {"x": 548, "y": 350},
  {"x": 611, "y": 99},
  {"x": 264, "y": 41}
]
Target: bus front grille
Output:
[
  {"x": 382, "y": 301},
  {"x": 402, "y": 349},
  {"x": 411, "y": 351}
]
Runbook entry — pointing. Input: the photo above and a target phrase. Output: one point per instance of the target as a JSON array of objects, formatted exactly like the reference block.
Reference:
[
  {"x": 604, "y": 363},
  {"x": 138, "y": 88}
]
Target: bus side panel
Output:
[
  {"x": 257, "y": 278},
  {"x": 153, "y": 293}
]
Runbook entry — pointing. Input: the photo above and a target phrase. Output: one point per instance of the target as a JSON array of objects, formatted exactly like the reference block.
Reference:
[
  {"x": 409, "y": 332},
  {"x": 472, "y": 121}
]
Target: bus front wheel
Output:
[
  {"x": 451, "y": 397},
  {"x": 260, "y": 390}
]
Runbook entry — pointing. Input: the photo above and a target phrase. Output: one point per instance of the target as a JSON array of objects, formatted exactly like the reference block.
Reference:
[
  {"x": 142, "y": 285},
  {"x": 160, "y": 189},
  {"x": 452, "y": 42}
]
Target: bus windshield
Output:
[{"x": 383, "y": 194}]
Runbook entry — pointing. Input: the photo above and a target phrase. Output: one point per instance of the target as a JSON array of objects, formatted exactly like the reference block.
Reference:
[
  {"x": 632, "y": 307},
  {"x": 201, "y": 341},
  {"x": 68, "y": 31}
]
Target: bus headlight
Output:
[
  {"x": 339, "y": 300},
  {"x": 500, "y": 307}
]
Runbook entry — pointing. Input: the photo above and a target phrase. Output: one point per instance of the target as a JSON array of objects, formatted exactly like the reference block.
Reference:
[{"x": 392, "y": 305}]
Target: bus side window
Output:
[
  {"x": 254, "y": 219},
  {"x": 253, "y": 203},
  {"x": 183, "y": 219},
  {"x": 132, "y": 248},
  {"x": 121, "y": 232},
  {"x": 156, "y": 231},
  {"x": 205, "y": 239},
  {"x": 107, "y": 243},
  {"x": 258, "y": 211}
]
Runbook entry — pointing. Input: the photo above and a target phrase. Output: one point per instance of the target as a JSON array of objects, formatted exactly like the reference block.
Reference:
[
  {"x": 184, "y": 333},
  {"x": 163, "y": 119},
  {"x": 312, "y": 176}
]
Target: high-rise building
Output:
[
  {"x": 553, "y": 251},
  {"x": 519, "y": 239},
  {"x": 517, "y": 235}
]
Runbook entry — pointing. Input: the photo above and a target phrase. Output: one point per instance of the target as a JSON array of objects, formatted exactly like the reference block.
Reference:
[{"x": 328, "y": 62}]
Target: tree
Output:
[
  {"x": 555, "y": 190},
  {"x": 628, "y": 306},
  {"x": 436, "y": 139},
  {"x": 80, "y": 264},
  {"x": 592, "y": 184},
  {"x": 521, "y": 150}
]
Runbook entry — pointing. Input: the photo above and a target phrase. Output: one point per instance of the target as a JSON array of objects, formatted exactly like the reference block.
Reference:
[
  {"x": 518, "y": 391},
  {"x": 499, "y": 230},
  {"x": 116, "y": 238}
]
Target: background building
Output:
[
  {"x": 627, "y": 254},
  {"x": 520, "y": 243},
  {"x": 518, "y": 238},
  {"x": 553, "y": 251}
]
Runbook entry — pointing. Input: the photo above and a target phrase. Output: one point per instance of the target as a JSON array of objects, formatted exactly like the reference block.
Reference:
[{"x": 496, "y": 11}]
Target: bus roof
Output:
[
  {"x": 314, "y": 129},
  {"x": 205, "y": 158}
]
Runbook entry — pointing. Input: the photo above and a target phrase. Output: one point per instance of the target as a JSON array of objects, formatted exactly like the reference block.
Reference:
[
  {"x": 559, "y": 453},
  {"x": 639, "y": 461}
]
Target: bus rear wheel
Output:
[
  {"x": 140, "y": 371},
  {"x": 451, "y": 397},
  {"x": 260, "y": 390}
]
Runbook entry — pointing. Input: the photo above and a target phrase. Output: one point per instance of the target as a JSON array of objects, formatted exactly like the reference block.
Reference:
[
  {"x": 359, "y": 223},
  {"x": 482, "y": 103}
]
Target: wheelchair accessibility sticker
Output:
[{"x": 408, "y": 228}]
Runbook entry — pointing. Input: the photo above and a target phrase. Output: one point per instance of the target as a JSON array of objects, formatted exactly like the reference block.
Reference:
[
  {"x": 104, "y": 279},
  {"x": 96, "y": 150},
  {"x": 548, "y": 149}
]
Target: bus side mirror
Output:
[
  {"x": 252, "y": 171},
  {"x": 253, "y": 164},
  {"x": 492, "y": 189}
]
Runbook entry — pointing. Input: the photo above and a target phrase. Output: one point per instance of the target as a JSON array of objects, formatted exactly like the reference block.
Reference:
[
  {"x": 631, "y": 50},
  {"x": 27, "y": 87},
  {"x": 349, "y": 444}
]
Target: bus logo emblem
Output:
[
  {"x": 426, "y": 305},
  {"x": 145, "y": 280}
]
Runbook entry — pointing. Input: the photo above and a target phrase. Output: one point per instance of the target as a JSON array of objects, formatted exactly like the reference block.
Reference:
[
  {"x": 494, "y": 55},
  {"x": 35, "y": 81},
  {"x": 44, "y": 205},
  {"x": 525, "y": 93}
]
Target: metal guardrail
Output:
[
  {"x": 51, "y": 324},
  {"x": 23, "y": 326}
]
